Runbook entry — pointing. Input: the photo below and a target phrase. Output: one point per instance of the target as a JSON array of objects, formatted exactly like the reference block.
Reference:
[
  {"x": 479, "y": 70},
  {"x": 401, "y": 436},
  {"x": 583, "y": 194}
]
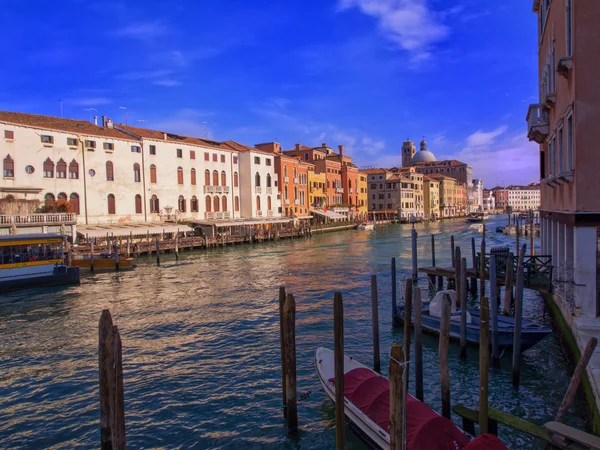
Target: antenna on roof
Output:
[{"x": 141, "y": 121}]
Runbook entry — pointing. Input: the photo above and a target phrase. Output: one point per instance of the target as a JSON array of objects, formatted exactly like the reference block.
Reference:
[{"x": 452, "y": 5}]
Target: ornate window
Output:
[
  {"x": 9, "y": 167},
  {"x": 73, "y": 170},
  {"x": 48, "y": 168}
]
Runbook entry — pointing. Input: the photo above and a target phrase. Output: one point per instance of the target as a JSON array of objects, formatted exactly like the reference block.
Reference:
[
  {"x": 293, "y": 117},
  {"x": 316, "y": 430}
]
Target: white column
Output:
[{"x": 585, "y": 271}]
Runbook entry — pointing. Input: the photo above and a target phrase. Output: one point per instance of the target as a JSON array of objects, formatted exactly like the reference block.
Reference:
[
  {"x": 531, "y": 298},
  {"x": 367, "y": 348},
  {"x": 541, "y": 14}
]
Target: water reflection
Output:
[{"x": 201, "y": 345}]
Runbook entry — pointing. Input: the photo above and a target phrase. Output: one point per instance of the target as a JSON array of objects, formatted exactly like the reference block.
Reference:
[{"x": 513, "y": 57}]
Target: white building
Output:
[
  {"x": 523, "y": 198},
  {"x": 489, "y": 201},
  {"x": 116, "y": 173}
]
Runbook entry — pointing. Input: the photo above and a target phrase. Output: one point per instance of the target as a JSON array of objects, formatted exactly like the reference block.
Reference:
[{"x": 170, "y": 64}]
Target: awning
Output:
[
  {"x": 330, "y": 214},
  {"x": 138, "y": 229}
]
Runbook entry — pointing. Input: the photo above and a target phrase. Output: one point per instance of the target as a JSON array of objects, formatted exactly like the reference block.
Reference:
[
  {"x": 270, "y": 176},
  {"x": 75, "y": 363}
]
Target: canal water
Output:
[{"x": 201, "y": 345}]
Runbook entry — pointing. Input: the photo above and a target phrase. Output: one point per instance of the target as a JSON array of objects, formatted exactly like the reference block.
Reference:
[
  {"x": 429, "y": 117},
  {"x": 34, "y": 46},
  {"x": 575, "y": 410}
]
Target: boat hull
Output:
[
  {"x": 103, "y": 264},
  {"x": 42, "y": 277}
]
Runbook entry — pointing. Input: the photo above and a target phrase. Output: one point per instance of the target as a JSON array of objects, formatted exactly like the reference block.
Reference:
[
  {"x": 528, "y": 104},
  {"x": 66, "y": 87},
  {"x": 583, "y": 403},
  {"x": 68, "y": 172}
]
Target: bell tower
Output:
[{"x": 408, "y": 151}]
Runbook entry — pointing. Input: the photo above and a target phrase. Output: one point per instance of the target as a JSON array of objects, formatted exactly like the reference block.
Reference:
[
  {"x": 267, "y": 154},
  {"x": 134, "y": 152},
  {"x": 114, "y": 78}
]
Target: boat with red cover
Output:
[{"x": 367, "y": 408}]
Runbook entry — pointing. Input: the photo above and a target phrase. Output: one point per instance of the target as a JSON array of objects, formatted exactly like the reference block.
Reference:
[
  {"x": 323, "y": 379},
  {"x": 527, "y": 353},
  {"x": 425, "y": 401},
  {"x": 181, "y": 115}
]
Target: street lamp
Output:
[
  {"x": 123, "y": 107},
  {"x": 90, "y": 111}
]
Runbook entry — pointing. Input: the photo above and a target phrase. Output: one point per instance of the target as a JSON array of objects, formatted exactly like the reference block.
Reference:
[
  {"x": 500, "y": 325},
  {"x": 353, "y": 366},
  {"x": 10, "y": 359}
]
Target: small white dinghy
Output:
[{"x": 367, "y": 408}]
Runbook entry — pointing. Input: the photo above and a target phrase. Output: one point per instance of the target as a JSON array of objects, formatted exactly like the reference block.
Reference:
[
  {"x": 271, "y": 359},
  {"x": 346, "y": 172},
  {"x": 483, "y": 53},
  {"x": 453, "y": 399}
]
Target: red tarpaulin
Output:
[
  {"x": 486, "y": 442},
  {"x": 425, "y": 429}
]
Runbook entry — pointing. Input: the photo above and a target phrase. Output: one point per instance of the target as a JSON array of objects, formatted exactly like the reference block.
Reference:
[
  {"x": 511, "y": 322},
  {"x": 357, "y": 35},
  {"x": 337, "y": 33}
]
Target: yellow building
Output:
[
  {"x": 316, "y": 186},
  {"x": 447, "y": 189},
  {"x": 363, "y": 194},
  {"x": 431, "y": 194}
]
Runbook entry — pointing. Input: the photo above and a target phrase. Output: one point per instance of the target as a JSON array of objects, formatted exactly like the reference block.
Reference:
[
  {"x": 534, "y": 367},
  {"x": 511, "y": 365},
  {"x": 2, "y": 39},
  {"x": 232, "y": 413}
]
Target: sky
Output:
[{"x": 367, "y": 74}]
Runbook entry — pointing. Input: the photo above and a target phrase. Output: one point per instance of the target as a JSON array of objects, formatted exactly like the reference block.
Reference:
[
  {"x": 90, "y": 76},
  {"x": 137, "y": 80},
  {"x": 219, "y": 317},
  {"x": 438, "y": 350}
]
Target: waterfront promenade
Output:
[{"x": 201, "y": 345}]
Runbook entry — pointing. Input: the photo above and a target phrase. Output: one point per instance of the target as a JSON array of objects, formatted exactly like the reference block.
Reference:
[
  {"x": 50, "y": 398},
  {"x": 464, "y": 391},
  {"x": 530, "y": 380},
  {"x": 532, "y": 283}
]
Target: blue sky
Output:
[{"x": 363, "y": 73}]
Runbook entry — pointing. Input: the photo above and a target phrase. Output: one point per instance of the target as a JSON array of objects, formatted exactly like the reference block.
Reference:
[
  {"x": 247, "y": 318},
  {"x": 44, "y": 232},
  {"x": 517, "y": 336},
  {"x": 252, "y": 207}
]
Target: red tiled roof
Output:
[
  {"x": 172, "y": 137},
  {"x": 245, "y": 148},
  {"x": 60, "y": 124}
]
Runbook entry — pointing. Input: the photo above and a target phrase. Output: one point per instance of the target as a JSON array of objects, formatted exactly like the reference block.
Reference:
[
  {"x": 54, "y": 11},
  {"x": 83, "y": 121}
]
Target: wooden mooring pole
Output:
[
  {"x": 462, "y": 296},
  {"x": 577, "y": 375},
  {"x": 482, "y": 269},
  {"x": 413, "y": 234},
  {"x": 394, "y": 297},
  {"x": 69, "y": 254},
  {"x": 407, "y": 321},
  {"x": 508, "y": 289},
  {"x": 493, "y": 308},
  {"x": 157, "y": 252},
  {"x": 443, "y": 355},
  {"x": 291, "y": 401},
  {"x": 91, "y": 256},
  {"x": 338, "y": 348},
  {"x": 282, "y": 346},
  {"x": 516, "y": 361},
  {"x": 433, "y": 250},
  {"x": 474, "y": 279},
  {"x": 418, "y": 347},
  {"x": 484, "y": 355},
  {"x": 110, "y": 365},
  {"x": 457, "y": 261},
  {"x": 452, "y": 253},
  {"x": 397, "y": 397},
  {"x": 177, "y": 246},
  {"x": 375, "y": 324}
]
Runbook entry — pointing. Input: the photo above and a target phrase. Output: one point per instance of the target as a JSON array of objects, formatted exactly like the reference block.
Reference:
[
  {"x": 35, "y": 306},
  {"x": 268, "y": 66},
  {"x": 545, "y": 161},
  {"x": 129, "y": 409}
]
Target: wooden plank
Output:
[
  {"x": 338, "y": 348},
  {"x": 573, "y": 434},
  {"x": 397, "y": 397}
]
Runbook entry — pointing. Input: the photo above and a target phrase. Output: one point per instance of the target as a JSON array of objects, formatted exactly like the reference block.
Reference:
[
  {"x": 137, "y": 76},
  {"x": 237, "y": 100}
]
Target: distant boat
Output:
[
  {"x": 366, "y": 226},
  {"x": 477, "y": 217},
  {"x": 531, "y": 332}
]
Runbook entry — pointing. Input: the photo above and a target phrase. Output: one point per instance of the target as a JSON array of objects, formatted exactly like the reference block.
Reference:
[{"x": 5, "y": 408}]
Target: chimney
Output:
[
  {"x": 324, "y": 144},
  {"x": 95, "y": 120},
  {"x": 103, "y": 121},
  {"x": 341, "y": 148},
  {"x": 298, "y": 146},
  {"x": 165, "y": 136},
  {"x": 109, "y": 123}
]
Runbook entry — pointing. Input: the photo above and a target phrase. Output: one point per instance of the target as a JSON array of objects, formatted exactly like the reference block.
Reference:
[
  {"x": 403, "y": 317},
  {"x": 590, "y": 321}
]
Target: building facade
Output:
[
  {"x": 431, "y": 195},
  {"x": 447, "y": 188},
  {"x": 489, "y": 202},
  {"x": 363, "y": 194}
]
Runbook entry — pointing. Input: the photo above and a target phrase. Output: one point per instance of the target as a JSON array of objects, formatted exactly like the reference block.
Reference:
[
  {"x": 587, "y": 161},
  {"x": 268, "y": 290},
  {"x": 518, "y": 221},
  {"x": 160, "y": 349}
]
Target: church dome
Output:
[{"x": 423, "y": 155}]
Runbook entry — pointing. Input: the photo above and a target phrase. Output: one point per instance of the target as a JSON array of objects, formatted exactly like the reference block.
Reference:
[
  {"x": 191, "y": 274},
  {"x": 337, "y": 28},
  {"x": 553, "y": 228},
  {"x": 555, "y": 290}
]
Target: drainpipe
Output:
[{"x": 85, "y": 208}]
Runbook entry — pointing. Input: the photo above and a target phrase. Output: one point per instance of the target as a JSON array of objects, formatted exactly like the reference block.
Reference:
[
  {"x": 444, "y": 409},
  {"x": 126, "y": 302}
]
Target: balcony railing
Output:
[
  {"x": 296, "y": 202},
  {"x": 296, "y": 180},
  {"x": 269, "y": 190},
  {"x": 226, "y": 189},
  {"x": 209, "y": 189},
  {"x": 219, "y": 215},
  {"x": 287, "y": 201},
  {"x": 219, "y": 189},
  {"x": 537, "y": 123},
  {"x": 270, "y": 213},
  {"x": 209, "y": 215},
  {"x": 286, "y": 179},
  {"x": 339, "y": 190},
  {"x": 38, "y": 219},
  {"x": 257, "y": 190},
  {"x": 259, "y": 213},
  {"x": 226, "y": 215}
]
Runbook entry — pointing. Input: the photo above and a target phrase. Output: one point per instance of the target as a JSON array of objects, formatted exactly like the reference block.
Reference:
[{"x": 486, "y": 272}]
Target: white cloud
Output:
[
  {"x": 167, "y": 82},
  {"x": 483, "y": 139},
  {"x": 142, "y": 30},
  {"x": 410, "y": 24},
  {"x": 144, "y": 75},
  {"x": 88, "y": 101}
]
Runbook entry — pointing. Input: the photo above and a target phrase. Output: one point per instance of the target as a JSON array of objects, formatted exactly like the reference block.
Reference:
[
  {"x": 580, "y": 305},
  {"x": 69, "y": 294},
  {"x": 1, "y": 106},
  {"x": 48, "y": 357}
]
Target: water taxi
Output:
[{"x": 31, "y": 260}]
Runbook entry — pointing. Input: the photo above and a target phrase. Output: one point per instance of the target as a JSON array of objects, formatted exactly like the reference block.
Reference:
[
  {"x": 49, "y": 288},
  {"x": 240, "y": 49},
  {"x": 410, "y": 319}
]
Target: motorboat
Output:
[
  {"x": 367, "y": 409},
  {"x": 366, "y": 226},
  {"x": 477, "y": 217}
]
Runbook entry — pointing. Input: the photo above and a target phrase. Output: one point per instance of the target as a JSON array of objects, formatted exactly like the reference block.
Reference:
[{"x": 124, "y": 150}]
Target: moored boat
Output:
[
  {"x": 367, "y": 407},
  {"x": 366, "y": 226},
  {"x": 32, "y": 260},
  {"x": 103, "y": 262}
]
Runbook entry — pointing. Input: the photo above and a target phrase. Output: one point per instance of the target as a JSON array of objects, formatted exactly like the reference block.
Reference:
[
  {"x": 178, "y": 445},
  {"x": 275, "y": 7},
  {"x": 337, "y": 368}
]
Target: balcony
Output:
[
  {"x": 339, "y": 190},
  {"x": 219, "y": 215},
  {"x": 537, "y": 123},
  {"x": 296, "y": 202},
  {"x": 225, "y": 189},
  {"x": 296, "y": 180},
  {"x": 38, "y": 219},
  {"x": 287, "y": 201},
  {"x": 270, "y": 213},
  {"x": 219, "y": 189},
  {"x": 226, "y": 215},
  {"x": 286, "y": 179},
  {"x": 209, "y": 189},
  {"x": 259, "y": 213},
  {"x": 258, "y": 190},
  {"x": 269, "y": 190},
  {"x": 209, "y": 215}
]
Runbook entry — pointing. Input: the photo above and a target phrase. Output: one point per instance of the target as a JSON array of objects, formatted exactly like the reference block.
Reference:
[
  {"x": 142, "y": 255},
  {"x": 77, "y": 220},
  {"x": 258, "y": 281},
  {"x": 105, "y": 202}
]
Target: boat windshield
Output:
[{"x": 30, "y": 252}]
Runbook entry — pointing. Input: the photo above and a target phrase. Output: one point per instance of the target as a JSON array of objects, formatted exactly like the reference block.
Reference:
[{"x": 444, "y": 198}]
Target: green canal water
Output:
[{"x": 201, "y": 345}]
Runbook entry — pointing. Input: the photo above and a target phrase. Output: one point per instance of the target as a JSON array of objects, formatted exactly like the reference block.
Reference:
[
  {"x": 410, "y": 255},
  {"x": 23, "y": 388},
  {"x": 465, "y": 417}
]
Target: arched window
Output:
[
  {"x": 257, "y": 179},
  {"x": 112, "y": 209},
  {"x": 154, "y": 204},
  {"x": 235, "y": 179},
  {"x": 258, "y": 202},
  {"x": 9, "y": 167},
  {"x": 136, "y": 173},
  {"x": 61, "y": 169},
  {"x": 74, "y": 200},
  {"x": 285, "y": 171},
  {"x": 215, "y": 178},
  {"x": 295, "y": 193},
  {"x": 110, "y": 174},
  {"x": 62, "y": 196},
  {"x": 237, "y": 203},
  {"x": 295, "y": 172},
  {"x": 73, "y": 170},
  {"x": 193, "y": 177},
  {"x": 194, "y": 204},
  {"x": 181, "y": 203},
  {"x": 48, "y": 168},
  {"x": 223, "y": 178},
  {"x": 138, "y": 204},
  {"x": 224, "y": 203},
  {"x": 179, "y": 175},
  {"x": 285, "y": 192},
  {"x": 208, "y": 204},
  {"x": 207, "y": 177},
  {"x": 152, "y": 173},
  {"x": 350, "y": 184},
  {"x": 269, "y": 203},
  {"x": 216, "y": 203},
  {"x": 268, "y": 180},
  {"x": 48, "y": 198}
]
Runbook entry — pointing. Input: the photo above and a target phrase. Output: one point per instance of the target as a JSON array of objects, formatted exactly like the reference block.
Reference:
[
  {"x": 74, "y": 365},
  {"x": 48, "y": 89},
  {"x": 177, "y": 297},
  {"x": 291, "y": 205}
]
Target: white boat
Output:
[
  {"x": 477, "y": 217},
  {"x": 366, "y": 226},
  {"x": 367, "y": 408}
]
